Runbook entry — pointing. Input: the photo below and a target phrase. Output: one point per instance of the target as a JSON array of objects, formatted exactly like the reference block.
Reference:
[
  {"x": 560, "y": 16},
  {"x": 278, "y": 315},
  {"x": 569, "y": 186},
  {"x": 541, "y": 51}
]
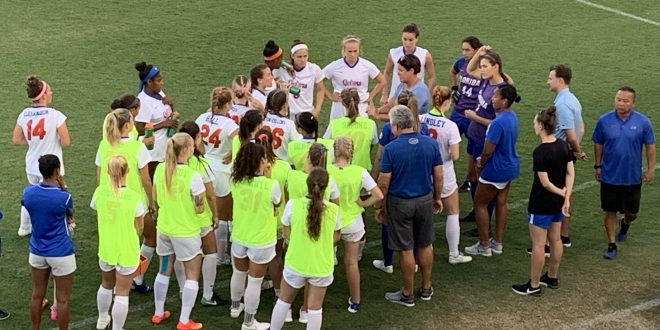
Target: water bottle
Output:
[
  {"x": 172, "y": 130},
  {"x": 286, "y": 66},
  {"x": 149, "y": 132}
]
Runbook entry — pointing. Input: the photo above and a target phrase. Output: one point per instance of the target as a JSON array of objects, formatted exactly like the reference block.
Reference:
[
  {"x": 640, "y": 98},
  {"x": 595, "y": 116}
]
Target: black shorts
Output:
[
  {"x": 410, "y": 222},
  {"x": 622, "y": 199}
]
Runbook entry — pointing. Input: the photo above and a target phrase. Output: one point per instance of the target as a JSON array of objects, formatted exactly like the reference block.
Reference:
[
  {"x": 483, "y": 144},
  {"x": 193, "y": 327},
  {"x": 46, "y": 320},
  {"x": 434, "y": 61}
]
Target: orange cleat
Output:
[
  {"x": 156, "y": 320},
  {"x": 191, "y": 325}
]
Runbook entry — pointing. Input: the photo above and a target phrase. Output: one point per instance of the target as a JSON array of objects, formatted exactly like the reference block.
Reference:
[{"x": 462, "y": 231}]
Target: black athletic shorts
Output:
[{"x": 622, "y": 199}]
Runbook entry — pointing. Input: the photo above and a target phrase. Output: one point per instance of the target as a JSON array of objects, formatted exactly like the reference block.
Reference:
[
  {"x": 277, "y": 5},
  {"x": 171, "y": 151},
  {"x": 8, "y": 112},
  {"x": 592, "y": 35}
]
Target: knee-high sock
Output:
[
  {"x": 279, "y": 315},
  {"x": 237, "y": 285},
  {"x": 188, "y": 298},
  {"x": 180, "y": 273},
  {"x": 119, "y": 312},
  {"x": 161, "y": 284},
  {"x": 209, "y": 269},
  {"x": 453, "y": 232},
  {"x": 103, "y": 301},
  {"x": 147, "y": 252},
  {"x": 221, "y": 237},
  {"x": 314, "y": 319},
  {"x": 388, "y": 254},
  {"x": 252, "y": 297}
]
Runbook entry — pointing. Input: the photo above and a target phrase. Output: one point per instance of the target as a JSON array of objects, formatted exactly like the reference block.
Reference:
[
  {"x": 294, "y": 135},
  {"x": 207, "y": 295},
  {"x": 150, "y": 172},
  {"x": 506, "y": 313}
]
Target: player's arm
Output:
[
  {"x": 320, "y": 96},
  {"x": 438, "y": 182},
  {"x": 489, "y": 148},
  {"x": 381, "y": 82},
  {"x": 148, "y": 187},
  {"x": 63, "y": 134},
  {"x": 199, "y": 203},
  {"x": 430, "y": 72},
  {"x": 453, "y": 81},
  {"x": 548, "y": 185},
  {"x": 139, "y": 225},
  {"x": 18, "y": 137},
  {"x": 473, "y": 65},
  {"x": 382, "y": 113},
  {"x": 210, "y": 199},
  {"x": 472, "y": 115},
  {"x": 376, "y": 166},
  {"x": 598, "y": 158},
  {"x": 572, "y": 139},
  {"x": 650, "y": 162},
  {"x": 454, "y": 151},
  {"x": 389, "y": 67},
  {"x": 227, "y": 159}
]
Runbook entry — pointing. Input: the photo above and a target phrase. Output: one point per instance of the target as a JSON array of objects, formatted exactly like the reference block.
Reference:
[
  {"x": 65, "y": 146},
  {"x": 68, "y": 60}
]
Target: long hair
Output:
[
  {"x": 220, "y": 96},
  {"x": 175, "y": 146},
  {"x": 318, "y": 155},
  {"x": 117, "y": 170},
  {"x": 190, "y": 127},
  {"x": 409, "y": 99},
  {"x": 308, "y": 123},
  {"x": 493, "y": 58},
  {"x": 265, "y": 138},
  {"x": 343, "y": 147},
  {"x": 113, "y": 123},
  {"x": 350, "y": 100},
  {"x": 247, "y": 163},
  {"x": 275, "y": 102},
  {"x": 248, "y": 124},
  {"x": 317, "y": 182}
]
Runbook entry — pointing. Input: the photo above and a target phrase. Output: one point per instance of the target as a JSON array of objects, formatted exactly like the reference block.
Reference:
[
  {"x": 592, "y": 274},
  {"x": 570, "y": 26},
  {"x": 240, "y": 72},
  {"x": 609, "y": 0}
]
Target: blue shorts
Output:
[
  {"x": 474, "y": 149},
  {"x": 544, "y": 220},
  {"x": 460, "y": 121}
]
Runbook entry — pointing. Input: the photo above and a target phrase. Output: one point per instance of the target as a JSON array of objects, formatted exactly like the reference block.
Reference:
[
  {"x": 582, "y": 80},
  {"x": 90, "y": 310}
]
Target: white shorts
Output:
[
  {"x": 222, "y": 183},
  {"x": 297, "y": 281},
  {"x": 498, "y": 185},
  {"x": 449, "y": 180},
  {"x": 34, "y": 179},
  {"x": 59, "y": 266},
  {"x": 105, "y": 267},
  {"x": 184, "y": 248},
  {"x": 262, "y": 255},
  {"x": 205, "y": 231},
  {"x": 354, "y": 231}
]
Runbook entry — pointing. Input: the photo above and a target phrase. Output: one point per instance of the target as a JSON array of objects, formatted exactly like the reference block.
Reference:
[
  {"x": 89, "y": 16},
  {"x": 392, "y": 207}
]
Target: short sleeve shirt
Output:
[
  {"x": 39, "y": 126},
  {"x": 49, "y": 207},
  {"x": 550, "y": 158},
  {"x": 504, "y": 165}
]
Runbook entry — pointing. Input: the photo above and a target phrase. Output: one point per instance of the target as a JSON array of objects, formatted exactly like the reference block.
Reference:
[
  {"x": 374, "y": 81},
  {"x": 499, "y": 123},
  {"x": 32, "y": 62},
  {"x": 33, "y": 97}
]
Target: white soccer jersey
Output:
[
  {"x": 237, "y": 111},
  {"x": 343, "y": 76},
  {"x": 215, "y": 131},
  {"x": 395, "y": 55},
  {"x": 445, "y": 132},
  {"x": 39, "y": 125},
  {"x": 305, "y": 79},
  {"x": 259, "y": 96},
  {"x": 152, "y": 110},
  {"x": 283, "y": 130}
]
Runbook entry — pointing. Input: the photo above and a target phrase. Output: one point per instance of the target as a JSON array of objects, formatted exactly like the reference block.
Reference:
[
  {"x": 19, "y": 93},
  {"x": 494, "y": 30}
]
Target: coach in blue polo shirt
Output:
[
  {"x": 411, "y": 178},
  {"x": 618, "y": 140}
]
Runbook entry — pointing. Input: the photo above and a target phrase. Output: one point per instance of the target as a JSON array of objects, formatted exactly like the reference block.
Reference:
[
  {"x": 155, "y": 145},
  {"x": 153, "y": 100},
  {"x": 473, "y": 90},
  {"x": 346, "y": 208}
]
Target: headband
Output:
[
  {"x": 44, "y": 88},
  {"x": 152, "y": 73},
  {"x": 277, "y": 54},
  {"x": 356, "y": 39},
  {"x": 298, "y": 47}
]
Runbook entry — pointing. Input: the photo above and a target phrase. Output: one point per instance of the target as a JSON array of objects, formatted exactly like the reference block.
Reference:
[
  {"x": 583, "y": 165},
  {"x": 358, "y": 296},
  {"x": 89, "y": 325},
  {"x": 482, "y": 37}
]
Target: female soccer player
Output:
[
  {"x": 120, "y": 211},
  {"x": 217, "y": 131},
  {"x": 409, "y": 39},
  {"x": 308, "y": 126},
  {"x": 254, "y": 233},
  {"x": 261, "y": 78},
  {"x": 132, "y": 103},
  {"x": 361, "y": 130},
  {"x": 352, "y": 180},
  {"x": 179, "y": 193},
  {"x": 317, "y": 156},
  {"x": 306, "y": 76},
  {"x": 445, "y": 132},
  {"x": 352, "y": 71},
  {"x": 44, "y": 130},
  {"x": 549, "y": 202},
  {"x": 240, "y": 103},
  {"x": 311, "y": 225},
  {"x": 51, "y": 249},
  {"x": 155, "y": 108},
  {"x": 499, "y": 164},
  {"x": 277, "y": 121}
]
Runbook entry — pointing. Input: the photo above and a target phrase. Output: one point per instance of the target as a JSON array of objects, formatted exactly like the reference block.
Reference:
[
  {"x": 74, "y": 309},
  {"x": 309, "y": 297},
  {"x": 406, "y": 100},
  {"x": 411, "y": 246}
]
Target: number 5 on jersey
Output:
[
  {"x": 37, "y": 130},
  {"x": 209, "y": 137}
]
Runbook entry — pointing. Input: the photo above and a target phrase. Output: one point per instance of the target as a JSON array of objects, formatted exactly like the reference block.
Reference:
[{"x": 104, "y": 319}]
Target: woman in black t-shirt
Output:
[{"x": 549, "y": 202}]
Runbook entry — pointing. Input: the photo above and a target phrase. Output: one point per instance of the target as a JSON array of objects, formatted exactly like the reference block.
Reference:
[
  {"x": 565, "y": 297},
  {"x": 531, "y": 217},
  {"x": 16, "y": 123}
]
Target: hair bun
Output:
[
  {"x": 141, "y": 66},
  {"x": 116, "y": 103},
  {"x": 517, "y": 99},
  {"x": 270, "y": 48},
  {"x": 551, "y": 110}
]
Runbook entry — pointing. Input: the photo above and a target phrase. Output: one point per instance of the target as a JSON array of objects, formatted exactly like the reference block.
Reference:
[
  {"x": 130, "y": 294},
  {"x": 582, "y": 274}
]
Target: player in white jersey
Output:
[
  {"x": 155, "y": 108},
  {"x": 352, "y": 71},
  {"x": 409, "y": 39},
  {"x": 305, "y": 76},
  {"x": 278, "y": 123},
  {"x": 240, "y": 103},
  {"x": 273, "y": 58},
  {"x": 44, "y": 130},
  {"x": 260, "y": 77},
  {"x": 445, "y": 132},
  {"x": 217, "y": 131}
]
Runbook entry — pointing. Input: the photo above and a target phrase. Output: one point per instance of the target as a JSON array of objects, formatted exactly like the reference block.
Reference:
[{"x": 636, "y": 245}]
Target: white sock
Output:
[
  {"x": 180, "y": 274},
  {"x": 119, "y": 312},
  {"x": 147, "y": 252},
  {"x": 253, "y": 294},
  {"x": 161, "y": 284},
  {"x": 237, "y": 284},
  {"x": 314, "y": 319},
  {"x": 453, "y": 232},
  {"x": 209, "y": 269},
  {"x": 25, "y": 219},
  {"x": 221, "y": 237},
  {"x": 103, "y": 301},
  {"x": 188, "y": 298},
  {"x": 279, "y": 314}
]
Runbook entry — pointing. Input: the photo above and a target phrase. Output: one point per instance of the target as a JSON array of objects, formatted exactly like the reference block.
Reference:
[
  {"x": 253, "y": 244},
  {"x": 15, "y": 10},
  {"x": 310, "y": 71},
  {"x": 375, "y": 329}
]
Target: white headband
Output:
[{"x": 298, "y": 47}]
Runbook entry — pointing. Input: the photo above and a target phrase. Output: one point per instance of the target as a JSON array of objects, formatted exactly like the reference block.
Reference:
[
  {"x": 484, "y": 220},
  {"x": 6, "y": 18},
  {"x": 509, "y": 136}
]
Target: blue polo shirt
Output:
[
  {"x": 48, "y": 207},
  {"x": 622, "y": 142},
  {"x": 421, "y": 92},
  {"x": 569, "y": 114},
  {"x": 386, "y": 136},
  {"x": 410, "y": 158},
  {"x": 504, "y": 164}
]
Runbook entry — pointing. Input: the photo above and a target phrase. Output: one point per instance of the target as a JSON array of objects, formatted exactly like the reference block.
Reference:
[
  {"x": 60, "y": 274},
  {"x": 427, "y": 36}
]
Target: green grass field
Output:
[{"x": 86, "y": 51}]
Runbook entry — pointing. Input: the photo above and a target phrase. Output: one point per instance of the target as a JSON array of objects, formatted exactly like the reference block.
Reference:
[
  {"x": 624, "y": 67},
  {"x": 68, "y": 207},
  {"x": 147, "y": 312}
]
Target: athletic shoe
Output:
[
  {"x": 610, "y": 253},
  {"x": 426, "y": 294},
  {"x": 24, "y": 232},
  {"x": 416, "y": 268},
  {"x": 477, "y": 249},
  {"x": 459, "y": 259},
  {"x": 353, "y": 307},
  {"x": 622, "y": 235},
  {"x": 468, "y": 218},
  {"x": 397, "y": 297},
  {"x": 380, "y": 265},
  {"x": 214, "y": 301},
  {"x": 289, "y": 317},
  {"x": 142, "y": 288},
  {"x": 103, "y": 322},
  {"x": 546, "y": 251},
  {"x": 565, "y": 241},
  {"x": 465, "y": 187},
  {"x": 526, "y": 289},
  {"x": 236, "y": 312},
  {"x": 224, "y": 260},
  {"x": 495, "y": 246},
  {"x": 266, "y": 285},
  {"x": 256, "y": 325},
  {"x": 549, "y": 282},
  {"x": 302, "y": 318},
  {"x": 4, "y": 314},
  {"x": 191, "y": 325},
  {"x": 156, "y": 320}
]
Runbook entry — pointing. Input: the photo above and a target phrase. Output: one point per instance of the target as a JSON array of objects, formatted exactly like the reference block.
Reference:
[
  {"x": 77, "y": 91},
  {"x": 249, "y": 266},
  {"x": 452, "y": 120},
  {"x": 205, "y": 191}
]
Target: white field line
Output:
[
  {"x": 224, "y": 283},
  {"x": 618, "y": 12},
  {"x": 613, "y": 316}
]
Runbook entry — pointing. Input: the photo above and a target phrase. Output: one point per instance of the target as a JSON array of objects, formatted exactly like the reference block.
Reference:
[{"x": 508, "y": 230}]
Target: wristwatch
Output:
[{"x": 596, "y": 167}]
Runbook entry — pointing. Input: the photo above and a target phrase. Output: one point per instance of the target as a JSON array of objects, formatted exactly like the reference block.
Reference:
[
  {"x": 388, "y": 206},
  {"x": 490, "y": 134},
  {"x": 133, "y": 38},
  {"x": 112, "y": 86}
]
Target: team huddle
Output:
[{"x": 256, "y": 184}]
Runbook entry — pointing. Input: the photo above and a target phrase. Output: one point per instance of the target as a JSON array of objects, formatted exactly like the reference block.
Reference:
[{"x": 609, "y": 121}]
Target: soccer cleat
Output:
[
  {"x": 266, "y": 285},
  {"x": 546, "y": 251},
  {"x": 398, "y": 297},
  {"x": 289, "y": 316},
  {"x": 610, "y": 253},
  {"x": 256, "y": 325},
  {"x": 380, "y": 264},
  {"x": 526, "y": 289},
  {"x": 103, "y": 322},
  {"x": 565, "y": 241},
  {"x": 236, "y": 312},
  {"x": 224, "y": 260},
  {"x": 477, "y": 249},
  {"x": 142, "y": 288},
  {"x": 191, "y": 325},
  {"x": 156, "y": 320},
  {"x": 465, "y": 187},
  {"x": 353, "y": 307},
  {"x": 426, "y": 294},
  {"x": 302, "y": 318},
  {"x": 214, "y": 301},
  {"x": 4, "y": 315},
  {"x": 549, "y": 282},
  {"x": 459, "y": 259},
  {"x": 495, "y": 246}
]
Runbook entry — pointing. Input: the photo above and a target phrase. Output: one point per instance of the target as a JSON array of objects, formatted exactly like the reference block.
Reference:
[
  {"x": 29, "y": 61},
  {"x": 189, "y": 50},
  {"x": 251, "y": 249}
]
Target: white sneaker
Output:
[
  {"x": 224, "y": 260},
  {"x": 380, "y": 264},
  {"x": 477, "y": 249},
  {"x": 103, "y": 322},
  {"x": 266, "y": 285},
  {"x": 289, "y": 317},
  {"x": 236, "y": 312},
  {"x": 459, "y": 259},
  {"x": 303, "y": 317},
  {"x": 496, "y": 247},
  {"x": 256, "y": 325},
  {"x": 24, "y": 232}
]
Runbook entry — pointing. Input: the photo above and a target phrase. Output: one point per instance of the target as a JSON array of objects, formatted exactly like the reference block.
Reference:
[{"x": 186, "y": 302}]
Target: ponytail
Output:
[
  {"x": 249, "y": 124},
  {"x": 318, "y": 155},
  {"x": 117, "y": 170},
  {"x": 265, "y": 138},
  {"x": 317, "y": 182},
  {"x": 350, "y": 100},
  {"x": 409, "y": 99},
  {"x": 343, "y": 148},
  {"x": 175, "y": 146},
  {"x": 247, "y": 163},
  {"x": 113, "y": 124}
]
